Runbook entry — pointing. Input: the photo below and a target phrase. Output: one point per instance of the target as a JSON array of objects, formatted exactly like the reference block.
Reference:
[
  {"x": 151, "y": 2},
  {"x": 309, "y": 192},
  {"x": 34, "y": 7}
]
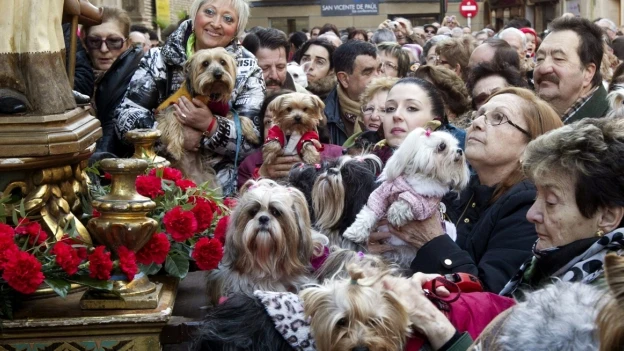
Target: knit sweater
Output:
[{"x": 388, "y": 192}]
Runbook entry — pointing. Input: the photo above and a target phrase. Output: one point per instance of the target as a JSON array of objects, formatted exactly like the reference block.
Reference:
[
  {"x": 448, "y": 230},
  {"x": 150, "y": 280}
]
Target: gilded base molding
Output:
[{"x": 138, "y": 343}]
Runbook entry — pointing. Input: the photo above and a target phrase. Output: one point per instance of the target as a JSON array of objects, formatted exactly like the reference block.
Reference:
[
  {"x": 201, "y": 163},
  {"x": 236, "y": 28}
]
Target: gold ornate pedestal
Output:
[
  {"x": 41, "y": 160},
  {"x": 60, "y": 325}
]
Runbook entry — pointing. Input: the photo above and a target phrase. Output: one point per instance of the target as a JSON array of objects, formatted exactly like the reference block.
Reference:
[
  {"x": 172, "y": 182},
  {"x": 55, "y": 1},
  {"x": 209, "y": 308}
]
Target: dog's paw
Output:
[
  {"x": 355, "y": 233},
  {"x": 399, "y": 213},
  {"x": 270, "y": 151},
  {"x": 309, "y": 154}
]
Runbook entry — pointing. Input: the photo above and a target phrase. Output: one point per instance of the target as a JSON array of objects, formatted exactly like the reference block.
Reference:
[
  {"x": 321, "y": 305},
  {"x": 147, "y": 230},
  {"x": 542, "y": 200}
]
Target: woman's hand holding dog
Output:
[
  {"x": 415, "y": 233},
  {"x": 280, "y": 168},
  {"x": 426, "y": 318},
  {"x": 194, "y": 114}
]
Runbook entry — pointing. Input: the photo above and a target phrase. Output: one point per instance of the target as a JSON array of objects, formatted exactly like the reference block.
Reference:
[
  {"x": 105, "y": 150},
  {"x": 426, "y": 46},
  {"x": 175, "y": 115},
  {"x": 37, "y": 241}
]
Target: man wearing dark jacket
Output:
[
  {"x": 355, "y": 64},
  {"x": 567, "y": 73}
]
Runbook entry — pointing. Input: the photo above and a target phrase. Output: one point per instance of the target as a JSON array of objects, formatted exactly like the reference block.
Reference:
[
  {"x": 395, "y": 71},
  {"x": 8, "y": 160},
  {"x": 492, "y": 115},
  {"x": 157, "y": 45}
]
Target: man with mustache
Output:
[
  {"x": 567, "y": 73},
  {"x": 272, "y": 54}
]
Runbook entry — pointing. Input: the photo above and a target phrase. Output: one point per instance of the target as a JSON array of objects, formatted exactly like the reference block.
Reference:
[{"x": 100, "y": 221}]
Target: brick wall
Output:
[{"x": 177, "y": 6}]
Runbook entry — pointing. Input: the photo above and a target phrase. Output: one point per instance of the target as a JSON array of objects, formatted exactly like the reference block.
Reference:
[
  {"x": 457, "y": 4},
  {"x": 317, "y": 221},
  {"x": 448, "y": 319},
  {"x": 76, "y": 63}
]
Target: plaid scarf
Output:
[{"x": 577, "y": 105}]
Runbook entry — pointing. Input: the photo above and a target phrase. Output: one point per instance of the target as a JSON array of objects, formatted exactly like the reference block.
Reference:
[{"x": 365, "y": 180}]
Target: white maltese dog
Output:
[{"x": 297, "y": 73}]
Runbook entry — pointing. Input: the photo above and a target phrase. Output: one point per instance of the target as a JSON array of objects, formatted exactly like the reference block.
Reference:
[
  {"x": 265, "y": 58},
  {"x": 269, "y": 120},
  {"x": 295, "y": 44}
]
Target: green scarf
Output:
[{"x": 190, "y": 46}]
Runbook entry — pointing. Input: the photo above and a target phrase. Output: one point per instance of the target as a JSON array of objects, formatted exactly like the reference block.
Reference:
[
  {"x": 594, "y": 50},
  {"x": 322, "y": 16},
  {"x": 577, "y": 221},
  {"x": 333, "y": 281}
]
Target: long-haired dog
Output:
[
  {"x": 356, "y": 313},
  {"x": 424, "y": 168},
  {"x": 297, "y": 73},
  {"x": 337, "y": 190},
  {"x": 296, "y": 117},
  {"x": 269, "y": 243},
  {"x": 616, "y": 100},
  {"x": 611, "y": 318},
  {"x": 210, "y": 76}
]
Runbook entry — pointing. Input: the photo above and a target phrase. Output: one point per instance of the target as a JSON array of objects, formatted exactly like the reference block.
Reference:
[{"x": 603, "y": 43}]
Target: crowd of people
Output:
[{"x": 537, "y": 116}]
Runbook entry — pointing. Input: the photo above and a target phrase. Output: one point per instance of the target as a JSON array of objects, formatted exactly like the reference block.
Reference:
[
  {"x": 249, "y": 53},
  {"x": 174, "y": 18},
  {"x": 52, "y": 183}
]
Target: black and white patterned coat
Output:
[{"x": 148, "y": 89}]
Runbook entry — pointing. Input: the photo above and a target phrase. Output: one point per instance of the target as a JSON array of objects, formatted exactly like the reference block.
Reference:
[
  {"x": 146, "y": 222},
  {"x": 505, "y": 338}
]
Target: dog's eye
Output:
[
  {"x": 441, "y": 147},
  {"x": 342, "y": 322},
  {"x": 296, "y": 75},
  {"x": 206, "y": 63},
  {"x": 275, "y": 212},
  {"x": 305, "y": 109},
  {"x": 288, "y": 109},
  {"x": 253, "y": 212},
  {"x": 222, "y": 62}
]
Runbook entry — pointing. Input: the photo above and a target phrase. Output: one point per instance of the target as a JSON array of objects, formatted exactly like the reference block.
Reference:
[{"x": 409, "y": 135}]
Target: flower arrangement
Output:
[{"x": 192, "y": 224}]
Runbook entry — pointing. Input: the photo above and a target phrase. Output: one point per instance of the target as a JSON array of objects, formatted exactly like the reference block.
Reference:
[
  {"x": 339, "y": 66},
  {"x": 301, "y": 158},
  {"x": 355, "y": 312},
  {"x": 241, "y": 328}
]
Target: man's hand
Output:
[{"x": 280, "y": 168}]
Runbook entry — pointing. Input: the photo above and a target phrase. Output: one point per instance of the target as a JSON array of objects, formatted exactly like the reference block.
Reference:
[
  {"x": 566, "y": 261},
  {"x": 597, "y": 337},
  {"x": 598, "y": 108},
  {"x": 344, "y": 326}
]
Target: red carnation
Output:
[
  {"x": 155, "y": 251},
  {"x": 23, "y": 272},
  {"x": 100, "y": 264},
  {"x": 221, "y": 229},
  {"x": 6, "y": 229},
  {"x": 203, "y": 211},
  {"x": 167, "y": 173},
  {"x": 66, "y": 257},
  {"x": 33, "y": 230},
  {"x": 150, "y": 186},
  {"x": 207, "y": 253},
  {"x": 185, "y": 184},
  {"x": 107, "y": 176},
  {"x": 180, "y": 224},
  {"x": 7, "y": 251},
  {"x": 127, "y": 262},
  {"x": 96, "y": 213}
]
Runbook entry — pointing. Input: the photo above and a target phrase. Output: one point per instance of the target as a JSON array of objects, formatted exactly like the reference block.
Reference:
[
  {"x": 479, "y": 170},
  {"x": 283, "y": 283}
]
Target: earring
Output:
[{"x": 599, "y": 233}]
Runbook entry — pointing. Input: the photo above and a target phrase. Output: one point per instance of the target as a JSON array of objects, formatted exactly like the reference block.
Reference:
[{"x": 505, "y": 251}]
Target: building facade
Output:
[{"x": 145, "y": 12}]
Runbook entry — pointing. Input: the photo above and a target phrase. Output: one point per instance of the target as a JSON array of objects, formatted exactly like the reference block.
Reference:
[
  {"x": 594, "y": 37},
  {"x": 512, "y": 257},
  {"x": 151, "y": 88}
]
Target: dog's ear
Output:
[
  {"x": 403, "y": 157},
  {"x": 188, "y": 65},
  {"x": 300, "y": 207},
  {"x": 318, "y": 104},
  {"x": 274, "y": 105},
  {"x": 248, "y": 184}
]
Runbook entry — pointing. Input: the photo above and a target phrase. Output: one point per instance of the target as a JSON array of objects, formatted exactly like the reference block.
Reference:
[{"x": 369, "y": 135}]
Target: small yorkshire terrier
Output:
[
  {"x": 297, "y": 73},
  {"x": 269, "y": 244},
  {"x": 296, "y": 117},
  {"x": 421, "y": 171},
  {"x": 210, "y": 76},
  {"x": 356, "y": 313}
]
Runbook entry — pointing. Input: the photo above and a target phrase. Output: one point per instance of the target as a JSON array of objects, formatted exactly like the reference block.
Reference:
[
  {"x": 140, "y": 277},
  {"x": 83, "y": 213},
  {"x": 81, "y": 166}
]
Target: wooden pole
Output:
[{"x": 72, "y": 50}]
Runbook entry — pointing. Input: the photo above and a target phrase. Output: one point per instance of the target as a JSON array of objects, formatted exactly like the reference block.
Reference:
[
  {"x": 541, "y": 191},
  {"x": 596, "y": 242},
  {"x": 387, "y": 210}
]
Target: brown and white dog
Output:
[
  {"x": 210, "y": 76},
  {"x": 296, "y": 117}
]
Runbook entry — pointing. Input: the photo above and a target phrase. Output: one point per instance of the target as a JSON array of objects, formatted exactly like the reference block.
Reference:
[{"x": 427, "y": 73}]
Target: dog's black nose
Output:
[
  {"x": 263, "y": 219},
  {"x": 360, "y": 348},
  {"x": 218, "y": 74},
  {"x": 460, "y": 152},
  {"x": 297, "y": 118}
]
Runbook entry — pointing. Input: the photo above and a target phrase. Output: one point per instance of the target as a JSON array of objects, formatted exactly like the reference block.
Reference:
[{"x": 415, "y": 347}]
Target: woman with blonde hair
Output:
[
  {"x": 212, "y": 24},
  {"x": 454, "y": 54},
  {"x": 493, "y": 236}
]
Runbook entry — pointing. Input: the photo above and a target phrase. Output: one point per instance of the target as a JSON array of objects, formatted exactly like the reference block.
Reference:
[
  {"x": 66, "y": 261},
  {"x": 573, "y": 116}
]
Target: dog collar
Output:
[{"x": 286, "y": 311}]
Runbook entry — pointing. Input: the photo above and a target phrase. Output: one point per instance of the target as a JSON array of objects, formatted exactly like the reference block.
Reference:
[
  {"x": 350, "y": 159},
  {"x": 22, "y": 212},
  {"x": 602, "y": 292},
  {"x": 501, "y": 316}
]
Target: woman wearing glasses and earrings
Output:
[
  {"x": 114, "y": 62},
  {"x": 493, "y": 235},
  {"x": 394, "y": 61}
]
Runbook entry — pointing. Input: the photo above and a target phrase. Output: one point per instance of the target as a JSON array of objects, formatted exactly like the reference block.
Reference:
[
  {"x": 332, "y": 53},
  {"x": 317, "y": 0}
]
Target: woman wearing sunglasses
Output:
[
  {"x": 493, "y": 236},
  {"x": 212, "y": 24},
  {"x": 114, "y": 62}
]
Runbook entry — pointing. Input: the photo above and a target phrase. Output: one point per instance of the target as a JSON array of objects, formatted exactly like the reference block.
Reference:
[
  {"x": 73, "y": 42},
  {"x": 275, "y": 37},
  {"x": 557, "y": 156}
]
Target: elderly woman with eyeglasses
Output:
[
  {"x": 212, "y": 24},
  {"x": 493, "y": 236},
  {"x": 394, "y": 61}
]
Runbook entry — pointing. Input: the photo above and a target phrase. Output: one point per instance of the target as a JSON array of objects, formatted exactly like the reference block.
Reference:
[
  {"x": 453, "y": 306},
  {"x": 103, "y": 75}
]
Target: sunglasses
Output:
[{"x": 112, "y": 43}]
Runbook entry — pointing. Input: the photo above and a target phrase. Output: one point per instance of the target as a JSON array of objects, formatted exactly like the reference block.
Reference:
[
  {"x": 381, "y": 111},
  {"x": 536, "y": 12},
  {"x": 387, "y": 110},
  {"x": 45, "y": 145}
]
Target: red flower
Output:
[
  {"x": 23, "y": 272},
  {"x": 6, "y": 229},
  {"x": 180, "y": 224},
  {"x": 167, "y": 173},
  {"x": 127, "y": 262},
  {"x": 7, "y": 251},
  {"x": 221, "y": 229},
  {"x": 207, "y": 253},
  {"x": 203, "y": 211},
  {"x": 33, "y": 230},
  {"x": 230, "y": 202},
  {"x": 185, "y": 184},
  {"x": 107, "y": 176},
  {"x": 155, "y": 251},
  {"x": 100, "y": 264},
  {"x": 95, "y": 213},
  {"x": 149, "y": 186},
  {"x": 66, "y": 257}
]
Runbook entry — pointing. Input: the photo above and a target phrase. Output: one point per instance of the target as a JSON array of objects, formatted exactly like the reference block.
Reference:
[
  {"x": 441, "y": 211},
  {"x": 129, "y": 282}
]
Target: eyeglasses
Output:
[
  {"x": 368, "y": 110},
  {"x": 430, "y": 31},
  {"x": 497, "y": 118},
  {"x": 387, "y": 65},
  {"x": 112, "y": 43},
  {"x": 439, "y": 61}
]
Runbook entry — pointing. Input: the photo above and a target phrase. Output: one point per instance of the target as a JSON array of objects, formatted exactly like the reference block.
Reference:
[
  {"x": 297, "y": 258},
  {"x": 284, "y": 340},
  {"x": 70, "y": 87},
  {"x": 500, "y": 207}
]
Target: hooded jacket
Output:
[{"x": 149, "y": 87}]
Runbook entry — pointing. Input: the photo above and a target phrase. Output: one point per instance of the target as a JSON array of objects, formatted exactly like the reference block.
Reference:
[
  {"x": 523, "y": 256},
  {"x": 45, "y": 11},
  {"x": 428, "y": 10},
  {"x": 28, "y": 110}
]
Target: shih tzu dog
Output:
[
  {"x": 356, "y": 313},
  {"x": 421, "y": 171},
  {"x": 297, "y": 73},
  {"x": 210, "y": 76},
  {"x": 270, "y": 243},
  {"x": 337, "y": 190},
  {"x": 296, "y": 118}
]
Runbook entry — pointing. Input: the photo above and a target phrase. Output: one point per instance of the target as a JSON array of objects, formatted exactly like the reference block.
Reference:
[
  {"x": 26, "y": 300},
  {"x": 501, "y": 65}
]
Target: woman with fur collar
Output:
[
  {"x": 315, "y": 56},
  {"x": 213, "y": 23},
  {"x": 579, "y": 210}
]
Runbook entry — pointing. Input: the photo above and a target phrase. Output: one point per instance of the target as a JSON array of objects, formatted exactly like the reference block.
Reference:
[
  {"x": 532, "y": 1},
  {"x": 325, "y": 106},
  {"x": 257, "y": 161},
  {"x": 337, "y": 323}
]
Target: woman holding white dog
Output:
[
  {"x": 212, "y": 24},
  {"x": 493, "y": 236}
]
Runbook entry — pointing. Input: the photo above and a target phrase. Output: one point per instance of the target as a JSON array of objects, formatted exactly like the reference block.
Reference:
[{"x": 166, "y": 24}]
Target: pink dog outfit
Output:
[{"x": 422, "y": 206}]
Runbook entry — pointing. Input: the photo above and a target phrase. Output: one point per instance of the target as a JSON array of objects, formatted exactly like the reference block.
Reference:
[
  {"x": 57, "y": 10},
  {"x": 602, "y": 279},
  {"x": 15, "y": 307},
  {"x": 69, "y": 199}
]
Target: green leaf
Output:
[
  {"x": 93, "y": 283},
  {"x": 15, "y": 219},
  {"x": 177, "y": 266},
  {"x": 60, "y": 286},
  {"x": 21, "y": 208},
  {"x": 150, "y": 269}
]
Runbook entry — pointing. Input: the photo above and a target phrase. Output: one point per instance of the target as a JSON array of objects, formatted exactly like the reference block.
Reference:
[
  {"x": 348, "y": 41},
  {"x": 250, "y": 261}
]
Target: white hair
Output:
[
  {"x": 514, "y": 31},
  {"x": 609, "y": 24},
  {"x": 240, "y": 6}
]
